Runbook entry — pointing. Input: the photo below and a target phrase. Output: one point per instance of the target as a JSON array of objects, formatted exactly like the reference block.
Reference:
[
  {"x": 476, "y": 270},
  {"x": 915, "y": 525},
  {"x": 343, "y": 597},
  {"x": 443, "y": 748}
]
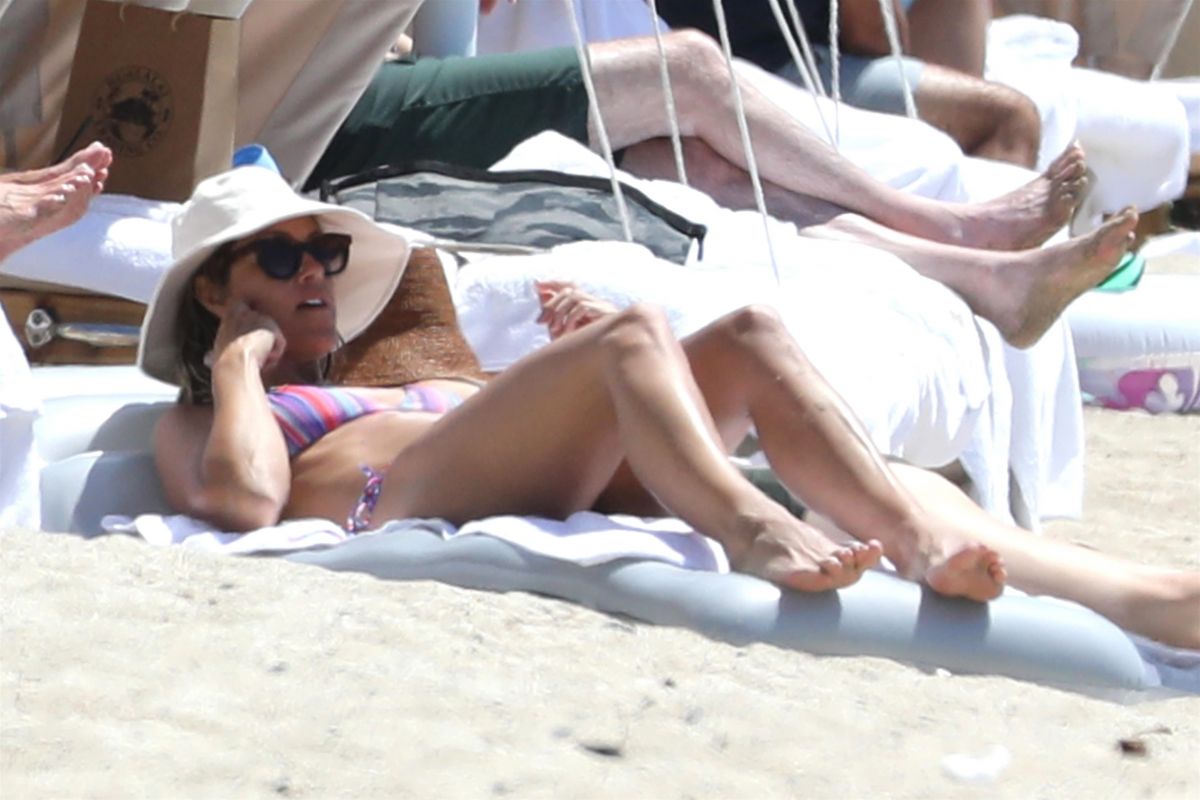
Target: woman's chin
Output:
[{"x": 309, "y": 349}]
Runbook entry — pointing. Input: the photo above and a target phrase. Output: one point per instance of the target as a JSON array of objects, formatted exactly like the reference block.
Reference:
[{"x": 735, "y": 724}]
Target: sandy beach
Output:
[{"x": 129, "y": 671}]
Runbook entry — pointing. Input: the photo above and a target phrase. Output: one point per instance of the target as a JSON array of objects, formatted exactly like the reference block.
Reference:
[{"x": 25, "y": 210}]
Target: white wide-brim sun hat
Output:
[{"x": 235, "y": 204}]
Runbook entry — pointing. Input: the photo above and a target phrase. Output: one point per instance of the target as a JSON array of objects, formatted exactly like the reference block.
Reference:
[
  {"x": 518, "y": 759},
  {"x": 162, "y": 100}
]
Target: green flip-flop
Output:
[{"x": 1128, "y": 272}]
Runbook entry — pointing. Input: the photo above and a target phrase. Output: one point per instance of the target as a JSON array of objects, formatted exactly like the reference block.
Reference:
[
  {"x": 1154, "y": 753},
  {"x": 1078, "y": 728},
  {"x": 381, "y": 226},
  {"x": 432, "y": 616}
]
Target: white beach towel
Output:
[
  {"x": 1187, "y": 90},
  {"x": 120, "y": 247},
  {"x": 584, "y": 538},
  {"x": 1135, "y": 133}
]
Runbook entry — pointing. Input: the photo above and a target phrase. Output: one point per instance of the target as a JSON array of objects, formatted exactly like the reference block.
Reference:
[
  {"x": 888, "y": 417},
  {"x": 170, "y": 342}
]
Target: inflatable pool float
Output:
[
  {"x": 99, "y": 463},
  {"x": 1140, "y": 349}
]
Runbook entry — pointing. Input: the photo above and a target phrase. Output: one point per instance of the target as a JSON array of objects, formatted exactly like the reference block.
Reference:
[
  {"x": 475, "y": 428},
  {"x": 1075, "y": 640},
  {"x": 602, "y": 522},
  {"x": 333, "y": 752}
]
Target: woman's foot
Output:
[
  {"x": 793, "y": 554},
  {"x": 971, "y": 570},
  {"x": 1031, "y": 290},
  {"x": 36, "y": 203},
  {"x": 1030, "y": 215},
  {"x": 948, "y": 562}
]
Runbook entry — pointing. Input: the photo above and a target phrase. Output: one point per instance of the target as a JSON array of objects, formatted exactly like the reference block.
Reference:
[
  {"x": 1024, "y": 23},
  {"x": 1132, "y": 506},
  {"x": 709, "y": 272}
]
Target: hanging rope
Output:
[
  {"x": 806, "y": 48},
  {"x": 1169, "y": 44},
  {"x": 889, "y": 25},
  {"x": 802, "y": 67},
  {"x": 835, "y": 67},
  {"x": 594, "y": 107},
  {"x": 744, "y": 130},
  {"x": 668, "y": 95}
]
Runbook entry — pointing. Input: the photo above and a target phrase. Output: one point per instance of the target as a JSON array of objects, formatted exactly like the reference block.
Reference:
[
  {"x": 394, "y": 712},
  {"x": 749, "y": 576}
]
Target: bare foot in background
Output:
[{"x": 38, "y": 202}]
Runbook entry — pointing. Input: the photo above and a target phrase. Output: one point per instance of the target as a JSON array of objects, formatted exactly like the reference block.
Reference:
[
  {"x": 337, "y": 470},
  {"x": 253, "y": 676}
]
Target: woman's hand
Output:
[
  {"x": 566, "y": 307},
  {"x": 243, "y": 329}
]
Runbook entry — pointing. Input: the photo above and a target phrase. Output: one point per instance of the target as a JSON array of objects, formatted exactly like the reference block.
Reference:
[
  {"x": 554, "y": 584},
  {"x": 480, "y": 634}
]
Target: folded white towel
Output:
[
  {"x": 180, "y": 529},
  {"x": 1135, "y": 133},
  {"x": 584, "y": 538},
  {"x": 121, "y": 246}
]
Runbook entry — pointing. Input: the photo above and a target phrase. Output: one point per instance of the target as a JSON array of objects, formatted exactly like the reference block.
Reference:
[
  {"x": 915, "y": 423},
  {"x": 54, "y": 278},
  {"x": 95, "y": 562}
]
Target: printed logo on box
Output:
[{"x": 134, "y": 110}]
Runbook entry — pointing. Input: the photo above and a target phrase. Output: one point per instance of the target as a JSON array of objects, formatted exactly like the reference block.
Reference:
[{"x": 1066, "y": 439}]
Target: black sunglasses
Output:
[{"x": 280, "y": 255}]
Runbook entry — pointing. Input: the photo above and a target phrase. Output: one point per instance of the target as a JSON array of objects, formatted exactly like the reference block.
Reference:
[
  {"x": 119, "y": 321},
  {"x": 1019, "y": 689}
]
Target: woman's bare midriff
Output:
[{"x": 327, "y": 478}]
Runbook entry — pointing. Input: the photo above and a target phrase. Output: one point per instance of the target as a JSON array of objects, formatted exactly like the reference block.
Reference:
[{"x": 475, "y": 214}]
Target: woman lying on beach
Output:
[{"x": 614, "y": 414}]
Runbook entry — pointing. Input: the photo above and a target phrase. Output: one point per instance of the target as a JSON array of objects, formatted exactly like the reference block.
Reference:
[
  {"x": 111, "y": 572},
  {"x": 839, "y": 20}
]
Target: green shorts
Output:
[{"x": 469, "y": 111}]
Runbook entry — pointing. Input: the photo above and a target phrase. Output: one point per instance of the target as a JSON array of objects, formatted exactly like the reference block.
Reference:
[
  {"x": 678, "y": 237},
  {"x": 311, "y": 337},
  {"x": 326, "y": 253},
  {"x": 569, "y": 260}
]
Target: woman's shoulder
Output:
[{"x": 182, "y": 417}]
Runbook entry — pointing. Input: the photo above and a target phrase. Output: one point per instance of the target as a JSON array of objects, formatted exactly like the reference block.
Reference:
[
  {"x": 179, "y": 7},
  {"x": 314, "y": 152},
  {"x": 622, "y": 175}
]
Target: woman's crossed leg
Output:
[{"x": 620, "y": 413}]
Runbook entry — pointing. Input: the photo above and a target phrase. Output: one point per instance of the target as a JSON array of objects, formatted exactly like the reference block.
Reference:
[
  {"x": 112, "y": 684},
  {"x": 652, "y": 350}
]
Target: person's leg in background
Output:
[
  {"x": 986, "y": 119},
  {"x": 1020, "y": 292},
  {"x": 950, "y": 33},
  {"x": 36, "y": 203},
  {"x": 790, "y": 155},
  {"x": 465, "y": 111}
]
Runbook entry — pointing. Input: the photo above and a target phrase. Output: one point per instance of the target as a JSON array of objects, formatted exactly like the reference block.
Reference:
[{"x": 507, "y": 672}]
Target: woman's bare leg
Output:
[
  {"x": 791, "y": 156},
  {"x": 750, "y": 370},
  {"x": 547, "y": 436},
  {"x": 1157, "y": 603}
]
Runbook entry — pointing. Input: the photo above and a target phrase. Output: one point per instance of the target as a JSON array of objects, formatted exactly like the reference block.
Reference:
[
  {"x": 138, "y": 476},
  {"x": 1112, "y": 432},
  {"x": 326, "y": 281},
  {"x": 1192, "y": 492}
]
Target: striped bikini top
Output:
[{"x": 306, "y": 413}]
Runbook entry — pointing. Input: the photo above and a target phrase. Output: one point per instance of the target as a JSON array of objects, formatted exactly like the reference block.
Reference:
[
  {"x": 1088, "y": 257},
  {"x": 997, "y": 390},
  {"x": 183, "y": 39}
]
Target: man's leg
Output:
[
  {"x": 1020, "y": 292},
  {"x": 791, "y": 156},
  {"x": 951, "y": 33},
  {"x": 987, "y": 119}
]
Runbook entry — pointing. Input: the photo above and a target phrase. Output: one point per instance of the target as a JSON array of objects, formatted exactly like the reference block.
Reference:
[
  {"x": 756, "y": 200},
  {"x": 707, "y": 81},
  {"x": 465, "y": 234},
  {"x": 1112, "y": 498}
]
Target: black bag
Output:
[{"x": 533, "y": 209}]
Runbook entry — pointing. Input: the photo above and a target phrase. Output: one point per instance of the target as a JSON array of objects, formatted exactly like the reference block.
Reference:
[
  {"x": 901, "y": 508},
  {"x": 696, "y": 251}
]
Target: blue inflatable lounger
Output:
[{"x": 99, "y": 463}]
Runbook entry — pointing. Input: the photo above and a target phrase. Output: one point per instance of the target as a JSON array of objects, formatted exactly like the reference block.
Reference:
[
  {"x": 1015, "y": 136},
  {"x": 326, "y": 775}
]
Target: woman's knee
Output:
[
  {"x": 640, "y": 326},
  {"x": 1021, "y": 126},
  {"x": 755, "y": 323},
  {"x": 755, "y": 334}
]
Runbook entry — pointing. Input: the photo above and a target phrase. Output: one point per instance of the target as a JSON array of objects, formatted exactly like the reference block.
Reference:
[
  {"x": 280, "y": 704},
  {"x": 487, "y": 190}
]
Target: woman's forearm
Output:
[{"x": 244, "y": 467}]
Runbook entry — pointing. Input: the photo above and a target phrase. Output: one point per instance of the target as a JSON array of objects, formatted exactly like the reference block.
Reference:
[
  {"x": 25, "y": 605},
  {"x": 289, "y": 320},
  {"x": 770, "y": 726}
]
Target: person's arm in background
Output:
[{"x": 862, "y": 31}]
